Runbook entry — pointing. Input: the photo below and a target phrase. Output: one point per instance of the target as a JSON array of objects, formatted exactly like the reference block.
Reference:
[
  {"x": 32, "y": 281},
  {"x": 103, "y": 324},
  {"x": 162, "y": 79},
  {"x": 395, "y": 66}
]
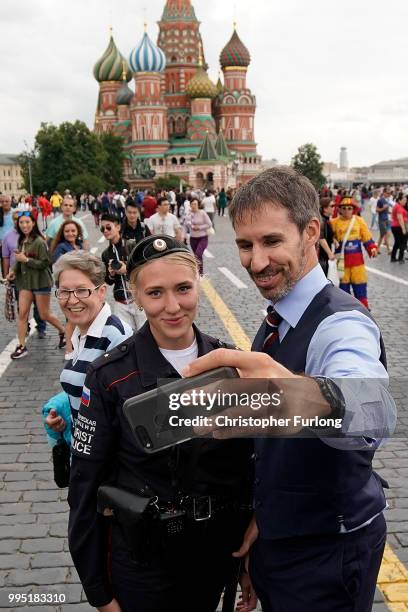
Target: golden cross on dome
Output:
[{"x": 124, "y": 70}]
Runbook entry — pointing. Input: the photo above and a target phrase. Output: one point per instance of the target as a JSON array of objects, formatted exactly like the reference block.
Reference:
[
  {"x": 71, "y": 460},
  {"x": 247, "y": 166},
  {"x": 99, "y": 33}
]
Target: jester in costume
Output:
[{"x": 355, "y": 274}]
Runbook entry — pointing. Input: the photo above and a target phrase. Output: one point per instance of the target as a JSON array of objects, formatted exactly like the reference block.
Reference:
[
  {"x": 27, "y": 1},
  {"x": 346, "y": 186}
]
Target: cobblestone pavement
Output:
[{"x": 34, "y": 555}]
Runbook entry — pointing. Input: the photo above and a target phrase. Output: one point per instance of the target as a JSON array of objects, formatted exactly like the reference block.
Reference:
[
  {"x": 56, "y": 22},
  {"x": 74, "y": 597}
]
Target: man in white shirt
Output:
[
  {"x": 68, "y": 208},
  {"x": 208, "y": 203},
  {"x": 373, "y": 209},
  {"x": 164, "y": 222}
]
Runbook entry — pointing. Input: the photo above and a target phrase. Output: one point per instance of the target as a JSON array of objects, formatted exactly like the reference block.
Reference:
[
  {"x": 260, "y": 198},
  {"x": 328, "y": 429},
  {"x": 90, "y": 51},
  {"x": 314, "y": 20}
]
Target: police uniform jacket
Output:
[{"x": 104, "y": 450}]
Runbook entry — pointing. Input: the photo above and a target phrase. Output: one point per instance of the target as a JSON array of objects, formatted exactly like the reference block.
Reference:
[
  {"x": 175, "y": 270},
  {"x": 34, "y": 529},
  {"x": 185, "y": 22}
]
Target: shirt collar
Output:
[
  {"x": 96, "y": 328},
  {"x": 293, "y": 305}
]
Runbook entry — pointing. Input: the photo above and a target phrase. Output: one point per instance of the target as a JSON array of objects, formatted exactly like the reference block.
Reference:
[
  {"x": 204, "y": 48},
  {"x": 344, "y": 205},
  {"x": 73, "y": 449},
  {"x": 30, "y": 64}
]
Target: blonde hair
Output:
[{"x": 182, "y": 258}]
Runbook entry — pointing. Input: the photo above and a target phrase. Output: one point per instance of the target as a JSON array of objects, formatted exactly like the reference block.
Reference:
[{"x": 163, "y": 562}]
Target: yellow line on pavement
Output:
[
  {"x": 239, "y": 337},
  {"x": 393, "y": 576}
]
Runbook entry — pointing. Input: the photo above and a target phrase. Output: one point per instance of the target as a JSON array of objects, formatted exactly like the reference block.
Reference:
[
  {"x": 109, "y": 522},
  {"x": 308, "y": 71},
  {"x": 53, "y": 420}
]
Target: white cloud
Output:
[{"x": 332, "y": 73}]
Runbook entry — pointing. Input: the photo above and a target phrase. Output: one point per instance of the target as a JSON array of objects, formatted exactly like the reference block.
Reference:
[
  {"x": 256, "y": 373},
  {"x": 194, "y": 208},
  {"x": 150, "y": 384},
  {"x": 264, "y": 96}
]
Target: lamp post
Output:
[{"x": 30, "y": 177}]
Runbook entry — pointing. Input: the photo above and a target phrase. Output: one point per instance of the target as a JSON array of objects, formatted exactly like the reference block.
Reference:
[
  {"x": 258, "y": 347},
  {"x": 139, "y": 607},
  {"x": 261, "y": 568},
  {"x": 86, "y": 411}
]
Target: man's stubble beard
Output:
[{"x": 288, "y": 283}]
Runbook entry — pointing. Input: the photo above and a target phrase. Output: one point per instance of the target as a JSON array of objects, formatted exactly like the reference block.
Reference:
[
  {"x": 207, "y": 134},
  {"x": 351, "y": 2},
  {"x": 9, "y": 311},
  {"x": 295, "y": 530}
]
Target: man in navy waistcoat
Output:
[{"x": 317, "y": 537}]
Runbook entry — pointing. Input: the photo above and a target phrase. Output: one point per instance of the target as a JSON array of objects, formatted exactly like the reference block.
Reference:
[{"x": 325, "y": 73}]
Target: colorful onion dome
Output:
[
  {"x": 147, "y": 57},
  {"x": 109, "y": 66},
  {"x": 201, "y": 86},
  {"x": 235, "y": 53}
]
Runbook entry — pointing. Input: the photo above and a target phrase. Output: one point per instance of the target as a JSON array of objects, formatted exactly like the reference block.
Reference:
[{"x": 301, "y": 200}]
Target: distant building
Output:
[
  {"x": 177, "y": 121},
  {"x": 343, "y": 159},
  {"x": 392, "y": 171},
  {"x": 11, "y": 179}
]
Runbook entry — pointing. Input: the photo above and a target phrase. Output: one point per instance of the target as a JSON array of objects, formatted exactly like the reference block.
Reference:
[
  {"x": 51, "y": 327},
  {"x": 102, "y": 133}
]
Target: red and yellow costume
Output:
[{"x": 354, "y": 269}]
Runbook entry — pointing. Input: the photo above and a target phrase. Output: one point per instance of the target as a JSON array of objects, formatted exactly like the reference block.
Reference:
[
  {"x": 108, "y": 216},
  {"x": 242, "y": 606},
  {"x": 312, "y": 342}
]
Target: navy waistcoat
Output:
[{"x": 304, "y": 486}]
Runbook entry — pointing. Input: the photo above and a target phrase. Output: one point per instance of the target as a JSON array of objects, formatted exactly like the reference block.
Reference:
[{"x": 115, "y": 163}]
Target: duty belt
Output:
[{"x": 201, "y": 508}]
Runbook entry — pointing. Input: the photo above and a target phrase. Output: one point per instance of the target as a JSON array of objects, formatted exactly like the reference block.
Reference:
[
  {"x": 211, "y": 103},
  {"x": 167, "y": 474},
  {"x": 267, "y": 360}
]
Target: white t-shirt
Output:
[
  {"x": 208, "y": 204},
  {"x": 373, "y": 204},
  {"x": 168, "y": 224},
  {"x": 179, "y": 359}
]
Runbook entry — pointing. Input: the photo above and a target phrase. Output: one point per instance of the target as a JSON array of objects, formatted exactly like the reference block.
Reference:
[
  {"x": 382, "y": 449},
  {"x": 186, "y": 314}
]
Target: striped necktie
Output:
[{"x": 273, "y": 319}]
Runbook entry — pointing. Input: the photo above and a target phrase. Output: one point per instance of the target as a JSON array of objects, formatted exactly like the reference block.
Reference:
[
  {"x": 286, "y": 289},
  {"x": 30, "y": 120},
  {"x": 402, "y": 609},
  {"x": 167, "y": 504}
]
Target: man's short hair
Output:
[
  {"x": 111, "y": 218},
  {"x": 131, "y": 204},
  {"x": 161, "y": 200},
  {"x": 278, "y": 186}
]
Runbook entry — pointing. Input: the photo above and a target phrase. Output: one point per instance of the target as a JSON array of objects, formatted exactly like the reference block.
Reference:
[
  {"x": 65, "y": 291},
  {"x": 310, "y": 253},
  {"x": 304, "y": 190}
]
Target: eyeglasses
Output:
[
  {"x": 24, "y": 213},
  {"x": 81, "y": 294},
  {"x": 346, "y": 207},
  {"x": 106, "y": 228}
]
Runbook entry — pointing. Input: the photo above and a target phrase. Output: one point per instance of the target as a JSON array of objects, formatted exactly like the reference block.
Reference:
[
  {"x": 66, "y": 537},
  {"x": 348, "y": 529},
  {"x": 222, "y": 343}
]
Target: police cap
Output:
[{"x": 154, "y": 247}]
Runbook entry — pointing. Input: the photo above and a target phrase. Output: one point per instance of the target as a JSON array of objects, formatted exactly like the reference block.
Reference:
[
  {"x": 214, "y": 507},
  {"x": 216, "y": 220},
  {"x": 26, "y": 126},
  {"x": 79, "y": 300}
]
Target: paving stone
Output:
[
  {"x": 22, "y": 486},
  {"x": 37, "y": 577},
  {"x": 21, "y": 518},
  {"x": 9, "y": 546},
  {"x": 10, "y": 496},
  {"x": 51, "y": 559},
  {"x": 23, "y": 531},
  {"x": 49, "y": 519},
  {"x": 39, "y": 545},
  {"x": 41, "y": 496},
  {"x": 14, "y": 561},
  {"x": 16, "y": 476},
  {"x": 17, "y": 508},
  {"x": 49, "y": 507},
  {"x": 59, "y": 530},
  {"x": 34, "y": 458}
]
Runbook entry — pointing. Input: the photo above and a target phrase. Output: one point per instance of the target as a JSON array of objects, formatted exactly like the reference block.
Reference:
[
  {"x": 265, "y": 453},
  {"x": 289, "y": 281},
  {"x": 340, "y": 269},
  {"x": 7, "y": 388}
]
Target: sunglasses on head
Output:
[
  {"x": 24, "y": 213},
  {"x": 106, "y": 228}
]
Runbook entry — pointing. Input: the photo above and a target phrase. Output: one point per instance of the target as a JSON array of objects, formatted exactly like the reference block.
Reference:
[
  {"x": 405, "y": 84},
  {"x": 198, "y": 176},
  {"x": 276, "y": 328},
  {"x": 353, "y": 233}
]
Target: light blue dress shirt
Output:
[{"x": 346, "y": 348}]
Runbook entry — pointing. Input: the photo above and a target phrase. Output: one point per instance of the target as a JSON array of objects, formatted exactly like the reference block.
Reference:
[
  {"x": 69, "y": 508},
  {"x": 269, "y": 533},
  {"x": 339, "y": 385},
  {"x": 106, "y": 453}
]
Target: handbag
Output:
[
  {"x": 9, "y": 306},
  {"x": 61, "y": 456},
  {"x": 340, "y": 257},
  {"x": 333, "y": 271},
  {"x": 210, "y": 231}
]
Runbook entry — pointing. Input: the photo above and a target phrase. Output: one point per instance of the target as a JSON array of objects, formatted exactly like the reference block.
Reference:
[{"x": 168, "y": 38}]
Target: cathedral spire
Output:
[{"x": 178, "y": 9}]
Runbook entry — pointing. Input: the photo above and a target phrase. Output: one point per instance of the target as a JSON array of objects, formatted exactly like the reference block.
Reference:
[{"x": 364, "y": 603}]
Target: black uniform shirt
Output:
[
  {"x": 113, "y": 252},
  {"x": 104, "y": 450}
]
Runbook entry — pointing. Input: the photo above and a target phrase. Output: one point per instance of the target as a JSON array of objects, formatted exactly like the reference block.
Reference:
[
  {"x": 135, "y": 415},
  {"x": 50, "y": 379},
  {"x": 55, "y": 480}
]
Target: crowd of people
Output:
[
  {"x": 344, "y": 232},
  {"x": 298, "y": 520},
  {"x": 124, "y": 218}
]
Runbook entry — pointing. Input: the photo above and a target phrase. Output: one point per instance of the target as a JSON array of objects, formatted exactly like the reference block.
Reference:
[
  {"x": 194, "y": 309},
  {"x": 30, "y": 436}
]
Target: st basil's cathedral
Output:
[{"x": 177, "y": 121}]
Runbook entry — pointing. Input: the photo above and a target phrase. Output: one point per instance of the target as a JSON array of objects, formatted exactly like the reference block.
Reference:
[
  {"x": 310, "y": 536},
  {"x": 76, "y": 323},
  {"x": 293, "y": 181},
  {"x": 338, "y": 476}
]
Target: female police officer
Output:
[{"x": 208, "y": 480}]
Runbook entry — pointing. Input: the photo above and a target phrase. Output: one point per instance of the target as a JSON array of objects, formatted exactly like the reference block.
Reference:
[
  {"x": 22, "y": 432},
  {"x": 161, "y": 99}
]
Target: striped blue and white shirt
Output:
[{"x": 106, "y": 332}]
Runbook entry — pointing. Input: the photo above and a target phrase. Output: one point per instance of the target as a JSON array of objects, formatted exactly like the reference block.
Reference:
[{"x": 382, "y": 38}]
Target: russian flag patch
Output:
[{"x": 86, "y": 396}]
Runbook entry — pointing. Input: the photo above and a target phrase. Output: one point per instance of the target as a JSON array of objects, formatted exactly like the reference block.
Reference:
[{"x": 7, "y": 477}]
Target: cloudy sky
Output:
[{"x": 331, "y": 72}]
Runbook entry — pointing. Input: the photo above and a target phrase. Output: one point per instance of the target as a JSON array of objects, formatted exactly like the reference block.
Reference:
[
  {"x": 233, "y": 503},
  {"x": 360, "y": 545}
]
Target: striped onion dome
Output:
[
  {"x": 201, "y": 85},
  {"x": 109, "y": 66},
  {"x": 147, "y": 57},
  {"x": 235, "y": 53}
]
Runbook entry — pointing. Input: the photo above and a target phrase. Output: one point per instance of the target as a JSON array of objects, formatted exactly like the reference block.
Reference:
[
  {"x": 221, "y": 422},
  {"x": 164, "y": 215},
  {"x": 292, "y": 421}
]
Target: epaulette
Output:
[{"x": 111, "y": 355}]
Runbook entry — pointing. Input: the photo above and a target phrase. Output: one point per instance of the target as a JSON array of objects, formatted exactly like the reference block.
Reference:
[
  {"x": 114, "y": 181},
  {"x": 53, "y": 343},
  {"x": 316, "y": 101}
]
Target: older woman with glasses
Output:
[
  {"x": 32, "y": 276},
  {"x": 81, "y": 292}
]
